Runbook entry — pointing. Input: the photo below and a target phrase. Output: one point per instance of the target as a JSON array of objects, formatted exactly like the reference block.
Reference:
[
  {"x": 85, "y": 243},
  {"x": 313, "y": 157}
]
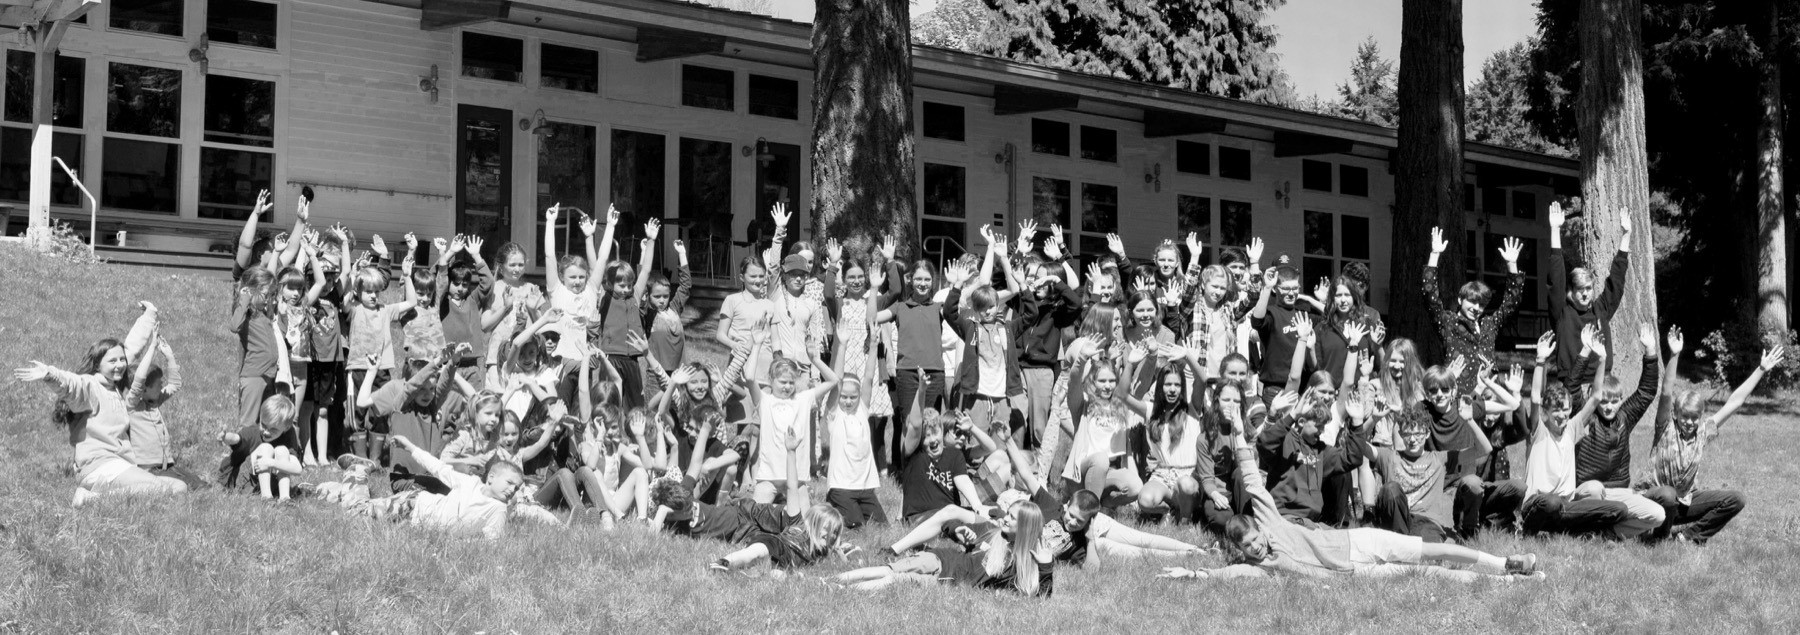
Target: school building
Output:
[{"x": 472, "y": 116}]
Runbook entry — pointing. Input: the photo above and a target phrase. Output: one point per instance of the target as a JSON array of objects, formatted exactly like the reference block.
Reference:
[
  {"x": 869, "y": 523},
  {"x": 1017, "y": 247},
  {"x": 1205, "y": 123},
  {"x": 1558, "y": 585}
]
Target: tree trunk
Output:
[
  {"x": 1428, "y": 166},
  {"x": 1770, "y": 232},
  {"x": 862, "y": 171},
  {"x": 1614, "y": 168}
]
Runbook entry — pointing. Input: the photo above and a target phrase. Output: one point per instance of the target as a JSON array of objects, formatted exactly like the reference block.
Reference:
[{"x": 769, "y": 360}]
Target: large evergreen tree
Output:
[
  {"x": 862, "y": 154},
  {"x": 1369, "y": 95},
  {"x": 1428, "y": 164},
  {"x": 1221, "y": 47},
  {"x": 1498, "y": 105}
]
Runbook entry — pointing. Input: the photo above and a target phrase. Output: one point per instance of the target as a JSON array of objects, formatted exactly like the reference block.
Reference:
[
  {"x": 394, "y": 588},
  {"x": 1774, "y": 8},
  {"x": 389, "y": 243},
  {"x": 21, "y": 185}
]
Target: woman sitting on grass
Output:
[
  {"x": 93, "y": 410},
  {"x": 1263, "y": 542}
]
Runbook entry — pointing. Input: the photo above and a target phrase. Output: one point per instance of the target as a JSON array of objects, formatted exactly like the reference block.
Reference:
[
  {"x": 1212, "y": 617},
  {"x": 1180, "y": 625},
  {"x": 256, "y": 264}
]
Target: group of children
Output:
[{"x": 1020, "y": 402}]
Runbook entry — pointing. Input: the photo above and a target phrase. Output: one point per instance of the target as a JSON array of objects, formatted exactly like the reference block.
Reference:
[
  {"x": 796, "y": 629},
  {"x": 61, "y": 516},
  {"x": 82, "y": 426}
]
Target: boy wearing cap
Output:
[{"x": 793, "y": 312}]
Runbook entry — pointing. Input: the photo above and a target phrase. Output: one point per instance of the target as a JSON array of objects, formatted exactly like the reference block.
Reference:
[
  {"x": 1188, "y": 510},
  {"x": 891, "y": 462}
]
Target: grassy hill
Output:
[{"x": 212, "y": 562}]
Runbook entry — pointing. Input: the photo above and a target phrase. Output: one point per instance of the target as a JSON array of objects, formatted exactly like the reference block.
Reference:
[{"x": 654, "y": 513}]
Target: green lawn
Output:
[{"x": 210, "y": 562}]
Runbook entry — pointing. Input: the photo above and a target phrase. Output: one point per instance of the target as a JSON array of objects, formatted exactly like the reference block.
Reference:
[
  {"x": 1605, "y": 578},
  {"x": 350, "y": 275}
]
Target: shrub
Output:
[
  {"x": 1736, "y": 349},
  {"x": 65, "y": 243}
]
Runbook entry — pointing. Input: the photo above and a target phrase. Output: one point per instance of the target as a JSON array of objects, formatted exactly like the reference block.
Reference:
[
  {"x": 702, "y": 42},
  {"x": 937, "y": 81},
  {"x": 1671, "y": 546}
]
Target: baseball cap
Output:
[{"x": 796, "y": 263}]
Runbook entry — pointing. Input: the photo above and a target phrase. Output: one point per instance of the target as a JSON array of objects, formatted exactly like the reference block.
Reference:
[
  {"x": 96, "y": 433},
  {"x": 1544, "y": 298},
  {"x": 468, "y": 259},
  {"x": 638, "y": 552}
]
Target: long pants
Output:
[
  {"x": 1705, "y": 513},
  {"x": 1394, "y": 513},
  {"x": 1587, "y": 516},
  {"x": 857, "y": 506},
  {"x": 1482, "y": 504},
  {"x": 1211, "y": 517},
  {"x": 251, "y": 393},
  {"x": 1039, "y": 383},
  {"x": 321, "y": 394},
  {"x": 1642, "y": 515},
  {"x": 631, "y": 380},
  {"x": 1334, "y": 493},
  {"x": 926, "y": 386}
]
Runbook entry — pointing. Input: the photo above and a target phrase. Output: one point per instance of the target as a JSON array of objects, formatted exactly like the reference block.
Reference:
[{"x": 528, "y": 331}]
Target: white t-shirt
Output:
[
  {"x": 852, "y": 463},
  {"x": 779, "y": 416},
  {"x": 1550, "y": 465}
]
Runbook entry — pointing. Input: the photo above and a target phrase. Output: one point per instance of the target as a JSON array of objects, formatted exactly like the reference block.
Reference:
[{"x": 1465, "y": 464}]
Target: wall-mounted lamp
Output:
[
  {"x": 429, "y": 83},
  {"x": 198, "y": 53},
  {"x": 760, "y": 151},
  {"x": 1154, "y": 176},
  {"x": 1004, "y": 156},
  {"x": 1284, "y": 194},
  {"x": 537, "y": 124}
]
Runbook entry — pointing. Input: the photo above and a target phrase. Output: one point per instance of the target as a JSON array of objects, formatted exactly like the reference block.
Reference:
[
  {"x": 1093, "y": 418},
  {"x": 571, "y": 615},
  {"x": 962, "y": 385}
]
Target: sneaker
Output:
[
  {"x": 82, "y": 496},
  {"x": 346, "y": 461},
  {"x": 1522, "y": 564},
  {"x": 720, "y": 566}
]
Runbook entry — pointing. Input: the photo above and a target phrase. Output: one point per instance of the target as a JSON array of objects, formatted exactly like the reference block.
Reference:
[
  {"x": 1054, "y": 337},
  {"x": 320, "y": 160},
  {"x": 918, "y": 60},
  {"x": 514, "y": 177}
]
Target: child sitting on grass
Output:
[
  {"x": 997, "y": 563},
  {"x": 270, "y": 450},
  {"x": 801, "y": 544}
]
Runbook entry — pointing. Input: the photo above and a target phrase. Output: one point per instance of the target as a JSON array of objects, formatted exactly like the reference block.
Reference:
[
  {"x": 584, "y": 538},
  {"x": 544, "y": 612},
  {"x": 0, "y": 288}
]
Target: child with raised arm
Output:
[
  {"x": 416, "y": 406},
  {"x": 152, "y": 385},
  {"x": 1015, "y": 558},
  {"x": 1469, "y": 330},
  {"x": 662, "y": 306},
  {"x": 1681, "y": 439},
  {"x": 1550, "y": 504},
  {"x": 1263, "y": 543},
  {"x": 919, "y": 319},
  {"x": 569, "y": 291},
  {"x": 850, "y": 472},
  {"x": 473, "y": 504},
  {"x": 1575, "y": 303},
  {"x": 465, "y": 306},
  {"x": 785, "y": 411},
  {"x": 988, "y": 378},
  {"x": 92, "y": 410},
  {"x": 1041, "y": 327},
  {"x": 1273, "y": 319},
  {"x": 800, "y": 544},
  {"x": 1603, "y": 455},
  {"x": 1414, "y": 500}
]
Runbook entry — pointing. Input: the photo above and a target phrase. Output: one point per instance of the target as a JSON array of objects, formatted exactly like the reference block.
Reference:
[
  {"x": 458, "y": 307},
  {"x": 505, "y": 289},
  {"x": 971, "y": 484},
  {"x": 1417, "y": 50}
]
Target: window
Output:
[
  {"x": 774, "y": 97},
  {"x": 68, "y": 90},
  {"x": 1234, "y": 163},
  {"x": 945, "y": 211},
  {"x": 1331, "y": 241},
  {"x": 1193, "y": 215},
  {"x": 141, "y": 174},
  {"x": 1234, "y": 223},
  {"x": 1050, "y": 204},
  {"x": 15, "y": 166},
  {"x": 493, "y": 57},
  {"x": 230, "y": 180},
  {"x": 1315, "y": 175},
  {"x": 239, "y": 112},
  {"x": 705, "y": 191},
  {"x": 568, "y": 68},
  {"x": 1099, "y": 217},
  {"x": 703, "y": 87},
  {"x": 565, "y": 174},
  {"x": 1468, "y": 197},
  {"x": 1524, "y": 205},
  {"x": 943, "y": 121},
  {"x": 1050, "y": 137},
  {"x": 143, "y": 100},
  {"x": 162, "y": 17},
  {"x": 638, "y": 177},
  {"x": 1099, "y": 144},
  {"x": 1493, "y": 200},
  {"x": 1193, "y": 158},
  {"x": 1353, "y": 181},
  {"x": 244, "y": 22}
]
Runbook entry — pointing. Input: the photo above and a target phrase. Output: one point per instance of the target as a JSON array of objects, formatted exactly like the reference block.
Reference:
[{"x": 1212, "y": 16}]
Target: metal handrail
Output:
[
  {"x": 925, "y": 246},
  {"x": 93, "y": 205}
]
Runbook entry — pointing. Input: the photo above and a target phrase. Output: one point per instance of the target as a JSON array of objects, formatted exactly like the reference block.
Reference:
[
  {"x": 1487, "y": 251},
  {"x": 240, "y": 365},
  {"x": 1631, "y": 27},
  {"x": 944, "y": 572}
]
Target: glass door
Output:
[
  {"x": 484, "y": 180},
  {"x": 778, "y": 180}
]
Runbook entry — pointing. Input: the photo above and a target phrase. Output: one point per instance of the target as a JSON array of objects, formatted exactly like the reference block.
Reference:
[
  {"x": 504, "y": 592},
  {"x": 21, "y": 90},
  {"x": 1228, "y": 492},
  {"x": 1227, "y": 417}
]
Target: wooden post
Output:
[{"x": 48, "y": 20}]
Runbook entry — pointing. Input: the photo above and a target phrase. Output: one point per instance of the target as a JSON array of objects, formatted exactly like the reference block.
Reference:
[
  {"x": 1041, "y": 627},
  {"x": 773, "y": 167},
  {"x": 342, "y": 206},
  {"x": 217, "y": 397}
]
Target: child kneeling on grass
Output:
[
  {"x": 800, "y": 544},
  {"x": 473, "y": 503},
  {"x": 1263, "y": 542}
]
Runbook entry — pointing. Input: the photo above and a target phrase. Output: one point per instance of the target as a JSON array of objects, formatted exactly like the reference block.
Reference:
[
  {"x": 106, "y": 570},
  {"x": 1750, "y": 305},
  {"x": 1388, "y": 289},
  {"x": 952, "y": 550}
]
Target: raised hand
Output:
[
  {"x": 1589, "y": 335},
  {"x": 1194, "y": 245},
  {"x": 1094, "y": 271},
  {"x": 636, "y": 341},
  {"x": 380, "y": 247},
  {"x": 652, "y": 227},
  {"x": 1173, "y": 293},
  {"x": 1378, "y": 334},
  {"x": 1053, "y": 247},
  {"x": 1365, "y": 363},
  {"x": 1322, "y": 290},
  {"x": 1303, "y": 327},
  {"x": 1515, "y": 379},
  {"x": 1027, "y": 229},
  {"x": 551, "y": 212},
  {"x": 473, "y": 245},
  {"x": 612, "y": 215},
  {"x": 834, "y": 252},
  {"x": 302, "y": 209},
  {"x": 439, "y": 245},
  {"x": 681, "y": 376},
  {"x": 1647, "y": 337},
  {"x": 1625, "y": 223},
  {"x": 587, "y": 224},
  {"x": 37, "y": 371},
  {"x": 362, "y": 260},
  {"x": 1144, "y": 284},
  {"x": 1270, "y": 278},
  {"x": 1457, "y": 365},
  {"x": 1115, "y": 244},
  {"x": 780, "y": 214},
  {"x": 1438, "y": 244},
  {"x": 1556, "y": 215},
  {"x": 1676, "y": 341},
  {"x": 1136, "y": 353},
  {"x": 1255, "y": 250},
  {"x": 1056, "y": 234},
  {"x": 876, "y": 277},
  {"x": 888, "y": 248},
  {"x": 342, "y": 233},
  {"x": 680, "y": 249},
  {"x": 1354, "y": 332},
  {"x": 1772, "y": 358},
  {"x": 1510, "y": 248}
]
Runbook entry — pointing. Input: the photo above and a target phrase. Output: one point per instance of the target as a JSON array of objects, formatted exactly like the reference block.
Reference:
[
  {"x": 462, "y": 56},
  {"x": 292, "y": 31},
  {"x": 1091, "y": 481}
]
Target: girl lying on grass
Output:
[
  {"x": 1264, "y": 542},
  {"x": 996, "y": 564},
  {"x": 93, "y": 411},
  {"x": 803, "y": 543}
]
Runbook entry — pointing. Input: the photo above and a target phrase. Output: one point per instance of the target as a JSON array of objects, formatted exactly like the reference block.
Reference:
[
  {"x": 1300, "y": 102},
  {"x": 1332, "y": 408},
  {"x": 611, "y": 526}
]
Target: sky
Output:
[{"x": 1318, "y": 38}]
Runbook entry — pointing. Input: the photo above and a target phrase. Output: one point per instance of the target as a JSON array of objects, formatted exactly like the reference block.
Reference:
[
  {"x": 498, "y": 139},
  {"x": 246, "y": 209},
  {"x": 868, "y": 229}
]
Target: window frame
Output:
[
  {"x": 962, "y": 121},
  {"x": 1336, "y": 258},
  {"x": 462, "y": 55},
  {"x": 1067, "y": 146},
  {"x": 750, "y": 96},
  {"x": 1249, "y": 163},
  {"x": 731, "y": 86}
]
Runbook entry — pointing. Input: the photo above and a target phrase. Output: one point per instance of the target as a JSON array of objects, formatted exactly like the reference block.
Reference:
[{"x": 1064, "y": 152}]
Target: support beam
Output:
[
  {"x": 437, "y": 15},
  {"x": 1014, "y": 100},
  {"x": 1164, "y": 123},
  {"x": 655, "y": 44},
  {"x": 47, "y": 37},
  {"x": 1295, "y": 144}
]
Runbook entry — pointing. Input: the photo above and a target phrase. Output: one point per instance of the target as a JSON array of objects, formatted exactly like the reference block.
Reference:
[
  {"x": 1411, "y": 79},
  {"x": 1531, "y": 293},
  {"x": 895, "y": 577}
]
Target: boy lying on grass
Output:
[{"x": 473, "y": 504}]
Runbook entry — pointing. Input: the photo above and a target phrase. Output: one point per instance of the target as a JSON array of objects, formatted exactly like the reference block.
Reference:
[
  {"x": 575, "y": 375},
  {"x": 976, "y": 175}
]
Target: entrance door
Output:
[
  {"x": 778, "y": 180},
  {"x": 484, "y": 175}
]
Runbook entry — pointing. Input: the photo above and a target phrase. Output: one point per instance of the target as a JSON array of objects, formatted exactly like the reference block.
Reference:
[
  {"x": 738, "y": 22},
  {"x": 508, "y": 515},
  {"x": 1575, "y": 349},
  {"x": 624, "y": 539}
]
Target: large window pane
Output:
[
  {"x": 638, "y": 175},
  {"x": 1050, "y": 202},
  {"x": 230, "y": 180},
  {"x": 1353, "y": 180},
  {"x": 143, "y": 100},
  {"x": 1234, "y": 223},
  {"x": 944, "y": 191},
  {"x": 492, "y": 57},
  {"x": 1193, "y": 158},
  {"x": 150, "y": 16},
  {"x": 1234, "y": 163},
  {"x": 1099, "y": 208},
  {"x": 1193, "y": 215},
  {"x": 774, "y": 97},
  {"x": 705, "y": 182},
  {"x": 67, "y": 97},
  {"x": 139, "y": 175},
  {"x": 1315, "y": 175},
  {"x": 1099, "y": 144},
  {"x": 1320, "y": 239},
  {"x": 1313, "y": 269},
  {"x": 15, "y": 166},
  {"x": 703, "y": 87},
  {"x": 569, "y": 68},
  {"x": 240, "y": 111},
  {"x": 1355, "y": 239},
  {"x": 245, "y": 22},
  {"x": 565, "y": 174},
  {"x": 942, "y": 121},
  {"x": 1050, "y": 137}
]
